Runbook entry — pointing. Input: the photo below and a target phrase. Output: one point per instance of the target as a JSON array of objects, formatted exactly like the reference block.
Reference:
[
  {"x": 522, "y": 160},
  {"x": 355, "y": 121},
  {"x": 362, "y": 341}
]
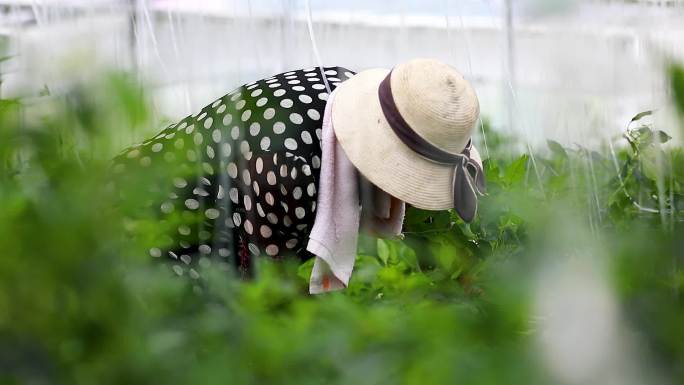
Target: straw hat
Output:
[{"x": 435, "y": 101}]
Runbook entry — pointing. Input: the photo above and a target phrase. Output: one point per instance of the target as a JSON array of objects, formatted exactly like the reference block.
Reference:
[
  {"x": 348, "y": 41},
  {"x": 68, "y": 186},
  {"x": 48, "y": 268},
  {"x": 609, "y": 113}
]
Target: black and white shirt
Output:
[{"x": 243, "y": 172}]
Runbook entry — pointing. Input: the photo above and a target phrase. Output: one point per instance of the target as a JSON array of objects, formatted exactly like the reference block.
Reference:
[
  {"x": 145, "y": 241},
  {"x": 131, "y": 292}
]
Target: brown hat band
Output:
[{"x": 468, "y": 176}]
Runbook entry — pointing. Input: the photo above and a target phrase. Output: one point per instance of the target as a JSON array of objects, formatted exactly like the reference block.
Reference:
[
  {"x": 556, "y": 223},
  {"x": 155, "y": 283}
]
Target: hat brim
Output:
[{"x": 378, "y": 153}]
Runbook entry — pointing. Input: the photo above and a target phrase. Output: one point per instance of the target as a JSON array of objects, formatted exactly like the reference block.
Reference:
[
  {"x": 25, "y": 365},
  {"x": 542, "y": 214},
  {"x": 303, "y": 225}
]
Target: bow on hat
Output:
[{"x": 469, "y": 181}]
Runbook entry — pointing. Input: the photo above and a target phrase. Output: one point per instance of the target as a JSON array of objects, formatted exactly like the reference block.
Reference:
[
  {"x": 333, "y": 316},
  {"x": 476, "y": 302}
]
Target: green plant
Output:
[{"x": 81, "y": 302}]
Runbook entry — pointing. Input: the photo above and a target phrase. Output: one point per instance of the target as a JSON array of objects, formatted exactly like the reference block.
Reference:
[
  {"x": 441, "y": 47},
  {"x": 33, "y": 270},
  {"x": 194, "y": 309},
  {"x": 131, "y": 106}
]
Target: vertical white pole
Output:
[{"x": 510, "y": 62}]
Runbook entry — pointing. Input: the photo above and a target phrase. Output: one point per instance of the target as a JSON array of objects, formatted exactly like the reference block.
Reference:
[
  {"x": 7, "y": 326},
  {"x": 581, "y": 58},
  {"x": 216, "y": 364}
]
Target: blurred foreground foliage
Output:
[{"x": 82, "y": 303}]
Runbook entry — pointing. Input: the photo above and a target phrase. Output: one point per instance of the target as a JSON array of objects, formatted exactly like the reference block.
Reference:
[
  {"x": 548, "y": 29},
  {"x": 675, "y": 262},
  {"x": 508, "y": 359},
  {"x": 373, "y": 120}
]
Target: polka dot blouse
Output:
[{"x": 243, "y": 173}]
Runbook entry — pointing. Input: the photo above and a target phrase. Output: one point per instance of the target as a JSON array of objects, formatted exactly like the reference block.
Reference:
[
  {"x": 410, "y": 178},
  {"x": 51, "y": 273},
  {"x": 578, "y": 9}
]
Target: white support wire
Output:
[
  {"x": 153, "y": 38},
  {"x": 672, "y": 188},
  {"x": 314, "y": 46},
  {"x": 592, "y": 224},
  {"x": 660, "y": 182},
  {"x": 35, "y": 4},
  {"x": 177, "y": 56},
  {"x": 594, "y": 186},
  {"x": 516, "y": 107},
  {"x": 468, "y": 57}
]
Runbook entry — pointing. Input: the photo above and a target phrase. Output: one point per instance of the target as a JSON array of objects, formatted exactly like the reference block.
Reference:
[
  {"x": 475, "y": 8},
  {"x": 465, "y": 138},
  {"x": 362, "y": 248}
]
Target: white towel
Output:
[{"x": 334, "y": 235}]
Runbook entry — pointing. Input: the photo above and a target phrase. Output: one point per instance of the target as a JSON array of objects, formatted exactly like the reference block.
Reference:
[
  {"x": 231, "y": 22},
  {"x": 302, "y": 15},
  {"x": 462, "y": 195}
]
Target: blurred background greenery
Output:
[{"x": 571, "y": 274}]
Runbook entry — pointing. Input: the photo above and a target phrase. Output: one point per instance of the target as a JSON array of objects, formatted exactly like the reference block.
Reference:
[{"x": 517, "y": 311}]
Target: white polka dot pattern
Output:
[{"x": 245, "y": 172}]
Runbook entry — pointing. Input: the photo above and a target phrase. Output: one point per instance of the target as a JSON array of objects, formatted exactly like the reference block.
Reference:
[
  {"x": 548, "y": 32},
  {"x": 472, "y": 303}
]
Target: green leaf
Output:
[
  {"x": 383, "y": 251},
  {"x": 643, "y": 131},
  {"x": 45, "y": 91},
  {"x": 408, "y": 255},
  {"x": 441, "y": 219},
  {"x": 515, "y": 173},
  {"x": 8, "y": 103},
  {"x": 415, "y": 219},
  {"x": 663, "y": 136},
  {"x": 128, "y": 96},
  {"x": 641, "y": 115},
  {"x": 304, "y": 270},
  {"x": 677, "y": 84},
  {"x": 556, "y": 148}
]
